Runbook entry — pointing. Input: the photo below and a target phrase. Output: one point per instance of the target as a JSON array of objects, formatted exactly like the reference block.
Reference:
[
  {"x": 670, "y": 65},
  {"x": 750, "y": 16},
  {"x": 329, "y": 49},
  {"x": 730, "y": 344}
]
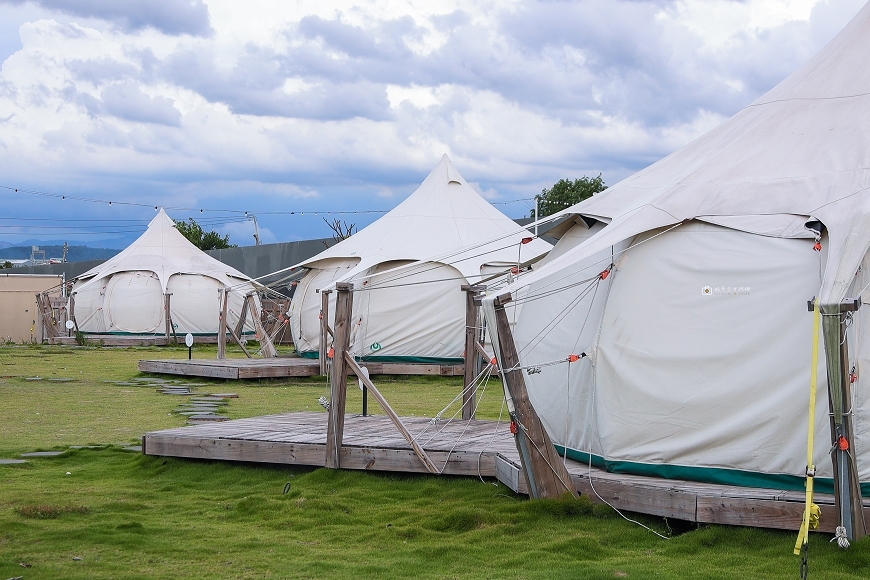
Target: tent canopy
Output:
[
  {"x": 162, "y": 250},
  {"x": 801, "y": 150},
  {"x": 445, "y": 220}
]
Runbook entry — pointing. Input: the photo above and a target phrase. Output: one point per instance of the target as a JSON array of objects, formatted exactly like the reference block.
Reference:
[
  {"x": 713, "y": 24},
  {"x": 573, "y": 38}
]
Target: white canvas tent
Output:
[
  {"x": 408, "y": 267},
  {"x": 126, "y": 294},
  {"x": 699, "y": 339}
]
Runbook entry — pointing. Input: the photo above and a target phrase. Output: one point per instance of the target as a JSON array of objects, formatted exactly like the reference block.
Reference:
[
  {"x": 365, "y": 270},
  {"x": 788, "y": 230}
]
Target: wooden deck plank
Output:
[
  {"x": 486, "y": 449},
  {"x": 254, "y": 368}
]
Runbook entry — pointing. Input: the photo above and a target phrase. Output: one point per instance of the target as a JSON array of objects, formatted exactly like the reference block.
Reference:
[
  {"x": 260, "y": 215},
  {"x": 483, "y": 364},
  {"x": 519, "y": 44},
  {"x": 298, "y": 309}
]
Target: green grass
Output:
[{"x": 124, "y": 515}]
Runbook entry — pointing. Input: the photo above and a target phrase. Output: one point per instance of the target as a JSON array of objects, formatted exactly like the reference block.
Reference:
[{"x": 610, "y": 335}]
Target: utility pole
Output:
[{"x": 256, "y": 230}]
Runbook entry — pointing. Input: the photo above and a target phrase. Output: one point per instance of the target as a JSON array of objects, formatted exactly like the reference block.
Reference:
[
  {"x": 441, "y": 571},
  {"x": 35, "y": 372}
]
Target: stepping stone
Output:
[
  {"x": 210, "y": 399},
  {"x": 61, "y": 380},
  {"x": 85, "y": 446},
  {"x": 137, "y": 448},
  {"x": 43, "y": 454},
  {"x": 206, "y": 418},
  {"x": 32, "y": 378},
  {"x": 11, "y": 461},
  {"x": 225, "y": 395}
]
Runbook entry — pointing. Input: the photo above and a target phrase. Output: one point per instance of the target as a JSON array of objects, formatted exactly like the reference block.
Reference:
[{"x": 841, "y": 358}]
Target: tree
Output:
[
  {"x": 6, "y": 264},
  {"x": 201, "y": 239},
  {"x": 566, "y": 193},
  {"x": 341, "y": 230}
]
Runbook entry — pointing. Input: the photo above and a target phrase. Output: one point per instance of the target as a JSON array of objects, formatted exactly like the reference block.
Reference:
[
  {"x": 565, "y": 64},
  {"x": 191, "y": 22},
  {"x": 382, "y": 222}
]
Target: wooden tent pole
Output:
[
  {"x": 166, "y": 316},
  {"x": 222, "y": 325},
  {"x": 324, "y": 327},
  {"x": 338, "y": 380},
  {"x": 72, "y": 310},
  {"x": 847, "y": 489},
  {"x": 472, "y": 316},
  {"x": 421, "y": 453},
  {"x": 545, "y": 473}
]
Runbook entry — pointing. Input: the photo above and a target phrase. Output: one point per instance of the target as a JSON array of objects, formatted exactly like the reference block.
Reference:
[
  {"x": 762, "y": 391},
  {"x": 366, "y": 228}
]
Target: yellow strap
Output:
[{"x": 804, "y": 533}]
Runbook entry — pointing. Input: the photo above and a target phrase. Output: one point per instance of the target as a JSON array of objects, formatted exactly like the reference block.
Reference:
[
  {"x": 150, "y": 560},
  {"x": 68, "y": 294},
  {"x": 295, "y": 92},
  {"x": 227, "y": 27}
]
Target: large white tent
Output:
[
  {"x": 699, "y": 339},
  {"x": 126, "y": 294},
  {"x": 408, "y": 268}
]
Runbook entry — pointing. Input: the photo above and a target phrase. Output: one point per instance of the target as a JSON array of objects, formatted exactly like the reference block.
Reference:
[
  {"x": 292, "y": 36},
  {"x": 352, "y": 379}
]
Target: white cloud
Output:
[{"x": 272, "y": 105}]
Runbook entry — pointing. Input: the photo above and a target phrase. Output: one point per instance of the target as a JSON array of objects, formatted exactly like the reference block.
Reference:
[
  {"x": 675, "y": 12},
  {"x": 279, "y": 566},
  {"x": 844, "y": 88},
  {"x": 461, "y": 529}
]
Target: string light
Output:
[{"x": 220, "y": 210}]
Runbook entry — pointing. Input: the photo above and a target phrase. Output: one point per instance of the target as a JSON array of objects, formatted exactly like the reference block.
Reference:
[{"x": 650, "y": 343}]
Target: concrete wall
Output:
[{"x": 18, "y": 312}]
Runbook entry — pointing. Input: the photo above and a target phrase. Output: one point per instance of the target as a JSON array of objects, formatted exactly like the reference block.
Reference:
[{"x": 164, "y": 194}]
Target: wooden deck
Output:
[
  {"x": 475, "y": 448},
  {"x": 254, "y": 368},
  {"x": 125, "y": 340}
]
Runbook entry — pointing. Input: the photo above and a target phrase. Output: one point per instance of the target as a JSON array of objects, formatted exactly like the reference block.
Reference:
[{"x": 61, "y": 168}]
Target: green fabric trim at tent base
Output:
[
  {"x": 250, "y": 333},
  {"x": 717, "y": 475},
  {"x": 427, "y": 360}
]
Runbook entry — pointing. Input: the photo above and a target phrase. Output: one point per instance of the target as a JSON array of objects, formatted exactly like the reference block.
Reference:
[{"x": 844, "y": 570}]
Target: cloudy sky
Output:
[{"x": 305, "y": 106}]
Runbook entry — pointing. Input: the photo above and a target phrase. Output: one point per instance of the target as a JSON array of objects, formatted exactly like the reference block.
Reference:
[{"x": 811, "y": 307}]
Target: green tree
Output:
[
  {"x": 6, "y": 264},
  {"x": 202, "y": 239},
  {"x": 566, "y": 193}
]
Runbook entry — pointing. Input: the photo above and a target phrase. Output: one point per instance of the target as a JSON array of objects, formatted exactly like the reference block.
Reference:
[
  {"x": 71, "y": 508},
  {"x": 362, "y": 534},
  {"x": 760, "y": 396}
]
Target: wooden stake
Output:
[
  {"x": 222, "y": 325},
  {"x": 847, "y": 489},
  {"x": 338, "y": 380},
  {"x": 324, "y": 327},
  {"x": 472, "y": 317},
  {"x": 424, "y": 457},
  {"x": 545, "y": 473}
]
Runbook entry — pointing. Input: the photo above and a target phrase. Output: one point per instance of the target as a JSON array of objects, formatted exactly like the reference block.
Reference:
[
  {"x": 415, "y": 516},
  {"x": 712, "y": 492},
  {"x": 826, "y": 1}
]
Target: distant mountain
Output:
[
  {"x": 75, "y": 253},
  {"x": 109, "y": 243}
]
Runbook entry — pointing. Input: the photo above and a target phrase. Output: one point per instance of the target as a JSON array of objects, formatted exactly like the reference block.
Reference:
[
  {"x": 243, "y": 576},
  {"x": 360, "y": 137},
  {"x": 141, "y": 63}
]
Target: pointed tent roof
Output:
[
  {"x": 163, "y": 250},
  {"x": 801, "y": 150},
  {"x": 444, "y": 220}
]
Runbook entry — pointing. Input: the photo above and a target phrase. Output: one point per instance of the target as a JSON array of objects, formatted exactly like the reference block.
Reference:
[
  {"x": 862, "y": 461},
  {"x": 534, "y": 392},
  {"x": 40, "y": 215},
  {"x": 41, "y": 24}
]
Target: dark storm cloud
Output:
[{"x": 168, "y": 16}]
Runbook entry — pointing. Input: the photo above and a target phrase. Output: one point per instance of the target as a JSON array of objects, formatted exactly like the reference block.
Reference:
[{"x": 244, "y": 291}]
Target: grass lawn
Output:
[{"x": 110, "y": 513}]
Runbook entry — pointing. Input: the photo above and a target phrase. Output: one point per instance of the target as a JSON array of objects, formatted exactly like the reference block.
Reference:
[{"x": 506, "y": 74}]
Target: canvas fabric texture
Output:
[{"x": 699, "y": 339}]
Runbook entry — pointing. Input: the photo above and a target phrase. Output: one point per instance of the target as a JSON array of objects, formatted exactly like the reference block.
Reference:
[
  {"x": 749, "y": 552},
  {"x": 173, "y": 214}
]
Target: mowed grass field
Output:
[{"x": 106, "y": 512}]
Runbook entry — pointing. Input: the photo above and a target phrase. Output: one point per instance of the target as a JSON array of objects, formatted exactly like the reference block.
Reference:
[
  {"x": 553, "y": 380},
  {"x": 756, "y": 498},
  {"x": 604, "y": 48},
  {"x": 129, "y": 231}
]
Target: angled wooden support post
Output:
[
  {"x": 324, "y": 327},
  {"x": 238, "y": 341},
  {"x": 545, "y": 473},
  {"x": 472, "y": 318},
  {"x": 240, "y": 325},
  {"x": 45, "y": 328},
  {"x": 338, "y": 379},
  {"x": 266, "y": 346},
  {"x": 424, "y": 457},
  {"x": 847, "y": 489},
  {"x": 222, "y": 324},
  {"x": 72, "y": 310}
]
